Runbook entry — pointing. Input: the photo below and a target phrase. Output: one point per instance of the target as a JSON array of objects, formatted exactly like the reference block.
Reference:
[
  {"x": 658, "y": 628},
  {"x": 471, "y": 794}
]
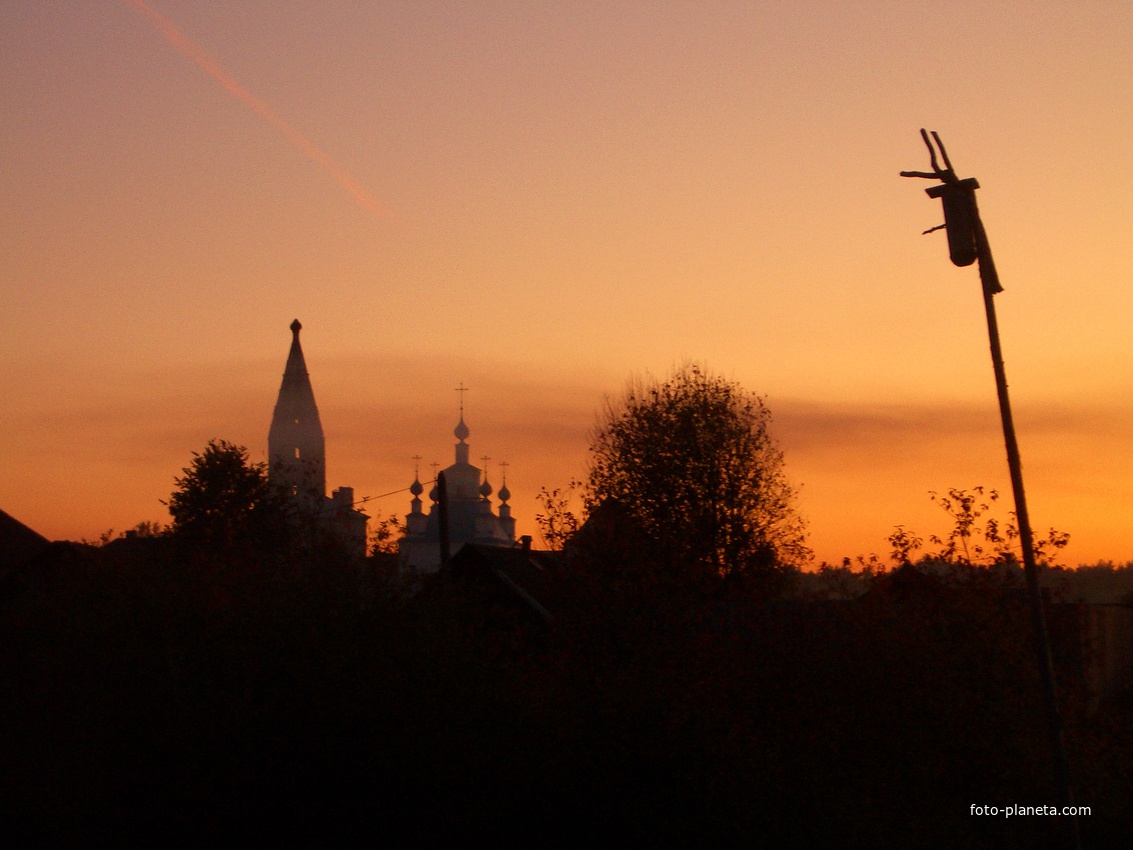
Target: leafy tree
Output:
[
  {"x": 147, "y": 529},
  {"x": 693, "y": 461},
  {"x": 103, "y": 538},
  {"x": 1000, "y": 540},
  {"x": 965, "y": 507},
  {"x": 224, "y": 499},
  {"x": 904, "y": 544},
  {"x": 386, "y": 535},
  {"x": 557, "y": 522}
]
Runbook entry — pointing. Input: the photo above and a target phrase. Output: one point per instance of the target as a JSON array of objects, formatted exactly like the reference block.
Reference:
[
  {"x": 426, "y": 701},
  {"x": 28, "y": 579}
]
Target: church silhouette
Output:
[{"x": 297, "y": 457}]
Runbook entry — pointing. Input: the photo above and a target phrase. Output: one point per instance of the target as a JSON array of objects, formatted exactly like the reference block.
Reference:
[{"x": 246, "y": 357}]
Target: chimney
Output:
[{"x": 526, "y": 541}]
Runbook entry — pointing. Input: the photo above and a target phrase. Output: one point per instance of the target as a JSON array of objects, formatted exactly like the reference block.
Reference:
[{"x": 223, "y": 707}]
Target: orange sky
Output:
[{"x": 540, "y": 199}]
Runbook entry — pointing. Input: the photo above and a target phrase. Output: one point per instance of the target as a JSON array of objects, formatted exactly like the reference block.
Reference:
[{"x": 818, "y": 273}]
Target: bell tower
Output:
[{"x": 296, "y": 445}]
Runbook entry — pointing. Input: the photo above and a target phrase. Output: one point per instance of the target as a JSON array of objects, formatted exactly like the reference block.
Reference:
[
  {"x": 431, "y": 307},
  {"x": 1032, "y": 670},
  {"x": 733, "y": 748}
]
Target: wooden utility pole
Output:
[
  {"x": 442, "y": 517},
  {"x": 967, "y": 243}
]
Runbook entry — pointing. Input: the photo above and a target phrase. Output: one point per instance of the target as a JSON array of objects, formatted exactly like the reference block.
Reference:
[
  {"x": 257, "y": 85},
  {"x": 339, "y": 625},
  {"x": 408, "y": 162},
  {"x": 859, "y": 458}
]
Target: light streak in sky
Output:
[{"x": 317, "y": 155}]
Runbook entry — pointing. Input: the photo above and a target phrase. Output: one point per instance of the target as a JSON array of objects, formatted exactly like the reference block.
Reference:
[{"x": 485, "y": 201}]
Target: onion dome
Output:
[
  {"x": 461, "y": 431},
  {"x": 485, "y": 488},
  {"x": 416, "y": 488}
]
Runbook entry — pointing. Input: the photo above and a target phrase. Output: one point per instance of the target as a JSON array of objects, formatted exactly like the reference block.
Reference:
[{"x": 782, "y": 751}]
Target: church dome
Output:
[{"x": 461, "y": 431}]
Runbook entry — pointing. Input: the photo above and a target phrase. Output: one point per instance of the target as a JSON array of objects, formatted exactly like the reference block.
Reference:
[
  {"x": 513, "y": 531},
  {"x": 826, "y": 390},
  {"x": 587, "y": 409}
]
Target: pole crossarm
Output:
[
  {"x": 946, "y": 174},
  {"x": 967, "y": 241}
]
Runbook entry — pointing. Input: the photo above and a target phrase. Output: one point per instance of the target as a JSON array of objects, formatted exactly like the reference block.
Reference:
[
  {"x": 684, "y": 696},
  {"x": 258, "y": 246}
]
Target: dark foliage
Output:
[
  {"x": 223, "y": 500},
  {"x": 386, "y": 533},
  {"x": 693, "y": 462},
  {"x": 322, "y": 707},
  {"x": 556, "y": 519}
]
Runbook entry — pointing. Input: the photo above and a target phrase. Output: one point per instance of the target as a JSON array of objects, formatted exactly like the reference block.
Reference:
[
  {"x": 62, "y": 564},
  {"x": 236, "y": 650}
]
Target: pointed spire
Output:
[
  {"x": 296, "y": 368},
  {"x": 296, "y": 445}
]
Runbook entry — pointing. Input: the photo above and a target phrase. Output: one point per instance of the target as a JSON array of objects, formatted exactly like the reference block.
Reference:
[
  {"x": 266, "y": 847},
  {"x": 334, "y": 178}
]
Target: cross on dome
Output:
[{"x": 461, "y": 431}]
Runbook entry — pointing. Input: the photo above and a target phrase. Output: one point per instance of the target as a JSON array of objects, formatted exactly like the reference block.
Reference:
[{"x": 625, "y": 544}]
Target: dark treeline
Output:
[
  {"x": 288, "y": 697},
  {"x": 1101, "y": 583}
]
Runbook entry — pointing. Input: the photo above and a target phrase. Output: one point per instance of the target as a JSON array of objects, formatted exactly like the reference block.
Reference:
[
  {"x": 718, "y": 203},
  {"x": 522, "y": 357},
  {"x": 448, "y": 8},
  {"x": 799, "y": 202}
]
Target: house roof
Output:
[
  {"x": 18, "y": 543},
  {"x": 529, "y": 576}
]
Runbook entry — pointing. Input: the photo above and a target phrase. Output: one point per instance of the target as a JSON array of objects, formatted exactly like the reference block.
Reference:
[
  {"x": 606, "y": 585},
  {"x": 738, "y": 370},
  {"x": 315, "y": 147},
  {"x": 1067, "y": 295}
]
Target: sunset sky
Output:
[{"x": 543, "y": 199}]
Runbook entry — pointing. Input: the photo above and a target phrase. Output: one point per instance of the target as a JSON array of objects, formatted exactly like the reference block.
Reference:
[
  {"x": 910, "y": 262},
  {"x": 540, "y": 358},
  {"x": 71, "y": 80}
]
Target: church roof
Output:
[
  {"x": 296, "y": 397},
  {"x": 471, "y": 517}
]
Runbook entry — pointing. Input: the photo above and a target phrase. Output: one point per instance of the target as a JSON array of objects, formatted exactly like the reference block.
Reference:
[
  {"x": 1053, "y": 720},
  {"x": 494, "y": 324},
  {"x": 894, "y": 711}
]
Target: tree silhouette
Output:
[
  {"x": 694, "y": 463},
  {"x": 386, "y": 535},
  {"x": 223, "y": 499},
  {"x": 557, "y": 522}
]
